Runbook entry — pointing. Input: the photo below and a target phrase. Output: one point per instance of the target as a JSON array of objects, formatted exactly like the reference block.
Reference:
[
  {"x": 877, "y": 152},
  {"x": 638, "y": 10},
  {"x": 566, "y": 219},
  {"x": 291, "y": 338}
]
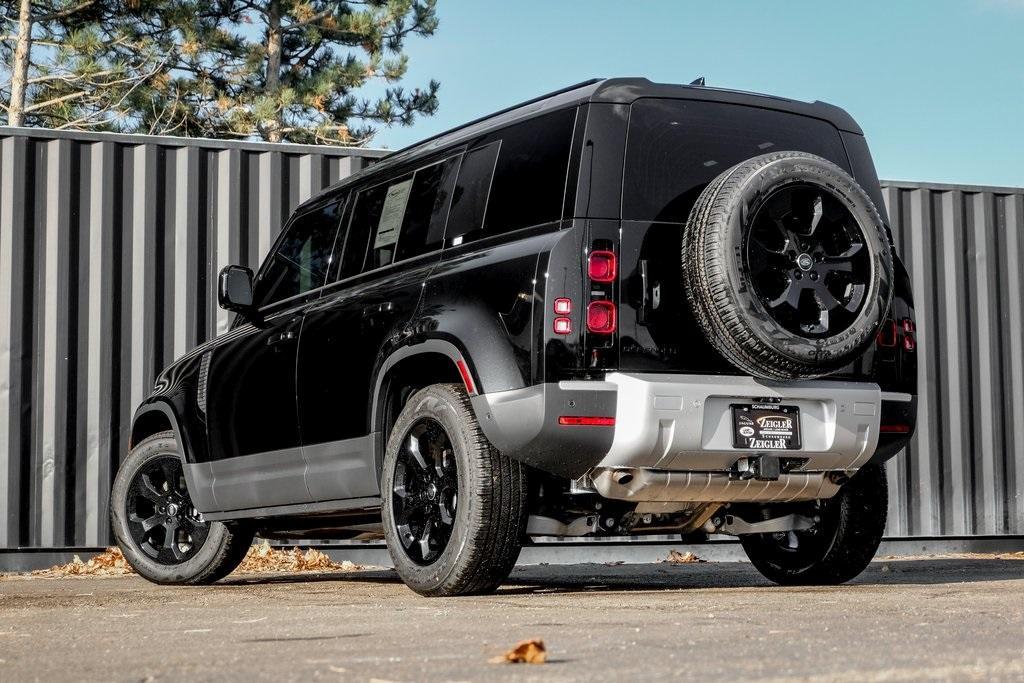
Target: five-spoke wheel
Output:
[
  {"x": 159, "y": 530},
  {"x": 807, "y": 261},
  {"x": 425, "y": 490},
  {"x": 161, "y": 517}
]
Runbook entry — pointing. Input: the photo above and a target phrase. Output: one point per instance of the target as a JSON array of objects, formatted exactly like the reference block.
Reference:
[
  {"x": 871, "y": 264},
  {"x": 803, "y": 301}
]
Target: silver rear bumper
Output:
[{"x": 674, "y": 439}]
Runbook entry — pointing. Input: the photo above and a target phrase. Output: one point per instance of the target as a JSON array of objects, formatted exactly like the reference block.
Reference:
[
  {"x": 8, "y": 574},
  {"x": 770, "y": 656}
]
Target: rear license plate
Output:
[{"x": 765, "y": 427}]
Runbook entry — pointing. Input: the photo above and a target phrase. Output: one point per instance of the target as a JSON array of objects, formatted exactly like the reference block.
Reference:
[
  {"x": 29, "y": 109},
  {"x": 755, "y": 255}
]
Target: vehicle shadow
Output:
[{"x": 580, "y": 578}]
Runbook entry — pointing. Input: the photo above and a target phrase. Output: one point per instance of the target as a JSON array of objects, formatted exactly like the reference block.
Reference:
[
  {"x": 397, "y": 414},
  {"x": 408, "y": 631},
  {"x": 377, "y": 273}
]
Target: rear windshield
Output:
[{"x": 676, "y": 147}]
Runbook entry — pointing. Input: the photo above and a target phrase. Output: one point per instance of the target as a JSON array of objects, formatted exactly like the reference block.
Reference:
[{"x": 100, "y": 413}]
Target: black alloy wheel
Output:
[
  {"x": 160, "y": 516},
  {"x": 808, "y": 261},
  {"x": 425, "y": 491},
  {"x": 847, "y": 531}
]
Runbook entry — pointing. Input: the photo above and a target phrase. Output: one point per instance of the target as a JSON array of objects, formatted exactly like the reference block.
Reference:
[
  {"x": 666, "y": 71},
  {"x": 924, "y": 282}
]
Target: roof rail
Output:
[{"x": 545, "y": 96}]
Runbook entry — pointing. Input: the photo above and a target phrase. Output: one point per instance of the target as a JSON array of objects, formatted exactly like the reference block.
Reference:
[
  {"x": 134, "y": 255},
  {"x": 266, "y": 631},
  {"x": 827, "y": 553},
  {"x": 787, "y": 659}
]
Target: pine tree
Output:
[
  {"x": 75, "y": 63},
  {"x": 288, "y": 70},
  {"x": 277, "y": 70}
]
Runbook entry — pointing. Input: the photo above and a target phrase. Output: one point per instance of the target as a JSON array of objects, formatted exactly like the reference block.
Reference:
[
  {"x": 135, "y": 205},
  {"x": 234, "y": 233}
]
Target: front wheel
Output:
[
  {"x": 454, "y": 507},
  {"x": 839, "y": 547},
  {"x": 158, "y": 529}
]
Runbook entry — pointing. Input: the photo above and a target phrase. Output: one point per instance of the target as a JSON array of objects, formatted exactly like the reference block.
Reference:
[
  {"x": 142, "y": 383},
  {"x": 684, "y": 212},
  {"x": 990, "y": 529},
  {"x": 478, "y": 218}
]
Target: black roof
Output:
[{"x": 614, "y": 91}]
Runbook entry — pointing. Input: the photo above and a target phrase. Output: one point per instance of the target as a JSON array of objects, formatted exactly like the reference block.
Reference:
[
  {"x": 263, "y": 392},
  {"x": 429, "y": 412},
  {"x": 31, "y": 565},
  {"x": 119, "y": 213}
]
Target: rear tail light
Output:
[
  {"x": 887, "y": 333},
  {"x": 909, "y": 342},
  {"x": 895, "y": 429},
  {"x": 563, "y": 326},
  {"x": 563, "y": 306},
  {"x": 585, "y": 421},
  {"x": 602, "y": 266},
  {"x": 601, "y": 317}
]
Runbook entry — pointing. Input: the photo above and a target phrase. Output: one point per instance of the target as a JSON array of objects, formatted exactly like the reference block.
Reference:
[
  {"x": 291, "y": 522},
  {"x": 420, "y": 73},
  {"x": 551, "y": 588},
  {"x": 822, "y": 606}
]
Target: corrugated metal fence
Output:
[
  {"x": 110, "y": 244},
  {"x": 964, "y": 248},
  {"x": 109, "y": 250}
]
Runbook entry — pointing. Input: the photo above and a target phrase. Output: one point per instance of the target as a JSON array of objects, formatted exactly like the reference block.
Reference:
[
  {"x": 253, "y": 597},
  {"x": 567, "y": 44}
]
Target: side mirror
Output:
[{"x": 234, "y": 289}]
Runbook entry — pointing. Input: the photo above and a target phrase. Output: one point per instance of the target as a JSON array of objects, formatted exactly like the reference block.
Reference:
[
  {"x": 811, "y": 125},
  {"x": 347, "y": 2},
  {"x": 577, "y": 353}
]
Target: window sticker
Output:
[{"x": 392, "y": 214}]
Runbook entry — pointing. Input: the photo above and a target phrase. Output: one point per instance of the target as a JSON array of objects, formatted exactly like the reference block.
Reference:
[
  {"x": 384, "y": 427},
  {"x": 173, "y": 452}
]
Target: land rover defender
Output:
[{"x": 622, "y": 308}]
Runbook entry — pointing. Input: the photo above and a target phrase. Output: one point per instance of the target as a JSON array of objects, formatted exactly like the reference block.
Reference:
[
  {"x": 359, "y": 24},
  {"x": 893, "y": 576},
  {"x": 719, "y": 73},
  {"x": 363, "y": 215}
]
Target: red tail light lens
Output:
[
  {"x": 586, "y": 421},
  {"x": 895, "y": 429},
  {"x": 887, "y": 333},
  {"x": 601, "y": 317},
  {"x": 602, "y": 266},
  {"x": 563, "y": 326},
  {"x": 909, "y": 344},
  {"x": 563, "y": 306}
]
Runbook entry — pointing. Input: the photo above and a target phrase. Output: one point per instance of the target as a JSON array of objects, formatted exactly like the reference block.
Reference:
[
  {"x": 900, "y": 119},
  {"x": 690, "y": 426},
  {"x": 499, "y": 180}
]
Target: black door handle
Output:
[{"x": 282, "y": 338}]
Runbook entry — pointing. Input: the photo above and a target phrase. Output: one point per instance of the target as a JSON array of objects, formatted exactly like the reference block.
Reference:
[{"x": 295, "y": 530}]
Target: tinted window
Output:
[
  {"x": 365, "y": 218},
  {"x": 676, "y": 147},
  {"x": 470, "y": 198},
  {"x": 388, "y": 225},
  {"x": 427, "y": 209},
  {"x": 529, "y": 180},
  {"x": 302, "y": 257},
  {"x": 528, "y": 183}
]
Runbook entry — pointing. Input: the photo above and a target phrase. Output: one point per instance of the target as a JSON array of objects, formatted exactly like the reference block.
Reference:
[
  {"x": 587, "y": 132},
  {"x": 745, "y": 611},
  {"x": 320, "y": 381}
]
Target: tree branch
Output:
[{"x": 60, "y": 14}]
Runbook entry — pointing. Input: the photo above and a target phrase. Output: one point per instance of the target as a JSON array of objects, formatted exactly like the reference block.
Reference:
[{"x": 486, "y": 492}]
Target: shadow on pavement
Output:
[{"x": 648, "y": 577}]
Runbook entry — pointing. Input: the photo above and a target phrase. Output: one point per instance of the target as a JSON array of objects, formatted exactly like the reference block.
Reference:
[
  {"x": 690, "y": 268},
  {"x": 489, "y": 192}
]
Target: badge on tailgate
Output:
[{"x": 765, "y": 426}]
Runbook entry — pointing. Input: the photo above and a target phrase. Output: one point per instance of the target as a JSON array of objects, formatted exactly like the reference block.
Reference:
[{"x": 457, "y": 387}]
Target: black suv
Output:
[{"x": 621, "y": 308}]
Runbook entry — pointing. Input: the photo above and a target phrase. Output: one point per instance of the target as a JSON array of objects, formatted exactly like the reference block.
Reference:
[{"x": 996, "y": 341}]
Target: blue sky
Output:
[{"x": 937, "y": 85}]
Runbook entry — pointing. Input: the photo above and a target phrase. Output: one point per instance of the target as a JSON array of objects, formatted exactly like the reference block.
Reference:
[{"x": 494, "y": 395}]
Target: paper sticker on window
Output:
[{"x": 392, "y": 215}]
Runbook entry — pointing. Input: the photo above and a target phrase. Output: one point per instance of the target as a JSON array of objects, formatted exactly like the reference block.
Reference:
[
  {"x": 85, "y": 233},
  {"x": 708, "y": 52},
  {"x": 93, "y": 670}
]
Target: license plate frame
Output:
[{"x": 753, "y": 428}]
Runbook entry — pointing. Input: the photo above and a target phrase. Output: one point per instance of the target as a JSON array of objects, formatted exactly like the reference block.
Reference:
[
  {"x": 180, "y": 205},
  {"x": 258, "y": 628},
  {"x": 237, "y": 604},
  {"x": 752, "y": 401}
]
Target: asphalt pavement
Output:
[{"x": 945, "y": 618}]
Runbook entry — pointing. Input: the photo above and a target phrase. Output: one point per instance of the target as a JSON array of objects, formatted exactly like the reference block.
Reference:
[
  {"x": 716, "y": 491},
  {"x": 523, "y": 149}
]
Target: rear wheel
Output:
[
  {"x": 839, "y": 547},
  {"x": 161, "y": 534},
  {"x": 454, "y": 507}
]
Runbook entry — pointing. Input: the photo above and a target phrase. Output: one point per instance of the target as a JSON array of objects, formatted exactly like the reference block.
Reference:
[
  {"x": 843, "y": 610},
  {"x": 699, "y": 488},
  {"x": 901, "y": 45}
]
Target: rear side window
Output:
[
  {"x": 303, "y": 256},
  {"x": 676, "y": 147},
  {"x": 527, "y": 185},
  {"x": 400, "y": 219},
  {"x": 427, "y": 209},
  {"x": 470, "y": 200}
]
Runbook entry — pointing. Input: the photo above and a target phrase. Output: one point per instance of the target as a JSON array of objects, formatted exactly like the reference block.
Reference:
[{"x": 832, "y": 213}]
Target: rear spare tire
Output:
[{"x": 787, "y": 266}]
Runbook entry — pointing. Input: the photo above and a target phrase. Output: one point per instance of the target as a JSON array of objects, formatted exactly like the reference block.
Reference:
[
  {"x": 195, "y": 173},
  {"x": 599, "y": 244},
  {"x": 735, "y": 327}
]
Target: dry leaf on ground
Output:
[
  {"x": 108, "y": 563},
  {"x": 259, "y": 558},
  {"x": 525, "y": 652},
  {"x": 676, "y": 557},
  {"x": 264, "y": 558}
]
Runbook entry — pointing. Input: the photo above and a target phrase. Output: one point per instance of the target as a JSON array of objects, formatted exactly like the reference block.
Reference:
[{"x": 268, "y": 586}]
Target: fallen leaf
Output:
[
  {"x": 525, "y": 652},
  {"x": 259, "y": 558},
  {"x": 676, "y": 557},
  {"x": 108, "y": 563},
  {"x": 264, "y": 558}
]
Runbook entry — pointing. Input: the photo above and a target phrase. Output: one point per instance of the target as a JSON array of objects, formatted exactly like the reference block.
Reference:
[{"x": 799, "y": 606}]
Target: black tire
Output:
[
  {"x": 753, "y": 301},
  {"x": 485, "y": 499},
  {"x": 222, "y": 547},
  {"x": 841, "y": 545}
]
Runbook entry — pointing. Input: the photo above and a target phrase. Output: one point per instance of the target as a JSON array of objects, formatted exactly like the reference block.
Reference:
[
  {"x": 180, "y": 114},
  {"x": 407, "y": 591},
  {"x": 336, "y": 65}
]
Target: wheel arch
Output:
[
  {"x": 407, "y": 369},
  {"x": 155, "y": 417}
]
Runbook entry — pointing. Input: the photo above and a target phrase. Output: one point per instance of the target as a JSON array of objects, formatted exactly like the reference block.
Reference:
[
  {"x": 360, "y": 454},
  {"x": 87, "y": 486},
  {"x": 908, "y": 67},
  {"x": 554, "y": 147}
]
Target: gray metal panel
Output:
[
  {"x": 964, "y": 249},
  {"x": 110, "y": 245},
  {"x": 109, "y": 248}
]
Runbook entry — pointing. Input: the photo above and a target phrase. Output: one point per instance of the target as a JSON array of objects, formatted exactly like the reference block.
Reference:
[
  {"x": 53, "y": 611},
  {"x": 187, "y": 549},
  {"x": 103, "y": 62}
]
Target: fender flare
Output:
[
  {"x": 446, "y": 348},
  {"x": 164, "y": 408},
  {"x": 462, "y": 363}
]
